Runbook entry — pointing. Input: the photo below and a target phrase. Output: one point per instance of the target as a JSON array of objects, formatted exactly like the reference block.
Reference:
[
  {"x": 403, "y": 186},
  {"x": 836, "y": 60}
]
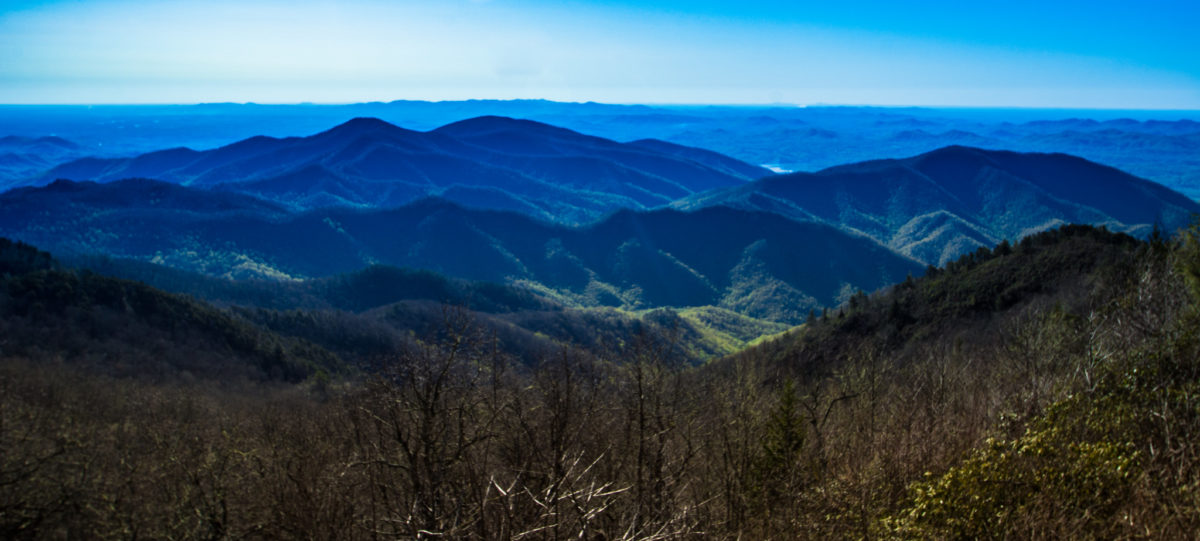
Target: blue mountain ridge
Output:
[
  {"x": 939, "y": 205},
  {"x": 547, "y": 172},
  {"x": 759, "y": 264}
]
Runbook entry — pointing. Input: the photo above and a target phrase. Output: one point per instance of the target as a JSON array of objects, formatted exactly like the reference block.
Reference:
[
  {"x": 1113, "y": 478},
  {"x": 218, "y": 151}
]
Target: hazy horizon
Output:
[
  {"x": 940, "y": 54},
  {"x": 1011, "y": 113}
]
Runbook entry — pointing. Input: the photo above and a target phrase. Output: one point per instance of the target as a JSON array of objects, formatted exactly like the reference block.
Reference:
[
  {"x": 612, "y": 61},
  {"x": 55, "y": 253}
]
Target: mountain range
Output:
[
  {"x": 939, "y": 205},
  {"x": 585, "y": 220},
  {"x": 490, "y": 162},
  {"x": 1158, "y": 145},
  {"x": 756, "y": 263}
]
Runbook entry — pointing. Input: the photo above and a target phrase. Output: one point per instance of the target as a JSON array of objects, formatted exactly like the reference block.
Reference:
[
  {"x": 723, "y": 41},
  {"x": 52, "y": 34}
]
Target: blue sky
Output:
[{"x": 1097, "y": 54}]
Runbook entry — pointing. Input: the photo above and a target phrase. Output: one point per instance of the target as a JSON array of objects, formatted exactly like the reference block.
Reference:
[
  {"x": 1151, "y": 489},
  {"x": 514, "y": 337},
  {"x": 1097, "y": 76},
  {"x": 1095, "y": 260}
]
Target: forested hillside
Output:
[
  {"x": 1043, "y": 389},
  {"x": 53, "y": 314},
  {"x": 757, "y": 264}
]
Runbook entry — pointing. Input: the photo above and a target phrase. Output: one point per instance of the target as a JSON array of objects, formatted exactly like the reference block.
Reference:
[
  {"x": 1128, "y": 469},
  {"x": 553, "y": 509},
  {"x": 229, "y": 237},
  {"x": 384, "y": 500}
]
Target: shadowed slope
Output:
[{"x": 719, "y": 256}]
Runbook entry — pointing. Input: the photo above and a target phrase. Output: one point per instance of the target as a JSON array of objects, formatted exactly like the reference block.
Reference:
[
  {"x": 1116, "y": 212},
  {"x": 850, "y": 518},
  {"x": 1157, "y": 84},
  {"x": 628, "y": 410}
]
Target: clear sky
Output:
[{"x": 1017, "y": 53}]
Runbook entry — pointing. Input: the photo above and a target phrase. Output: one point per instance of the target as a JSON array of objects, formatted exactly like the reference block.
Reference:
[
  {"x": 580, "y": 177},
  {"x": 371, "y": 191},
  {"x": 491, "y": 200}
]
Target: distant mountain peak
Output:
[
  {"x": 957, "y": 150},
  {"x": 489, "y": 123},
  {"x": 362, "y": 124},
  {"x": 953, "y": 159}
]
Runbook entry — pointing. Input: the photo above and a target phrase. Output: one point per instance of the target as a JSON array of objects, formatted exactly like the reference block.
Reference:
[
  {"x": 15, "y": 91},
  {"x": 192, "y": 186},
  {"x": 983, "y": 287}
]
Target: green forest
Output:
[{"x": 1041, "y": 389}]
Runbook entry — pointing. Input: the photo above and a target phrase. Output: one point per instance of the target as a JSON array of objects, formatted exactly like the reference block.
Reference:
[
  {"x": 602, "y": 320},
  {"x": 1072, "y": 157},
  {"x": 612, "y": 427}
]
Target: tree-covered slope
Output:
[
  {"x": 1043, "y": 390},
  {"x": 736, "y": 259},
  {"x": 367, "y": 317},
  {"x": 972, "y": 299},
  {"x": 126, "y": 328}
]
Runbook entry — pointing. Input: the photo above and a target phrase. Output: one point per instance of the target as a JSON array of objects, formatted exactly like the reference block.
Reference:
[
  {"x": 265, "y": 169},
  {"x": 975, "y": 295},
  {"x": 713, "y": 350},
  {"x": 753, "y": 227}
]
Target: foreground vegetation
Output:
[{"x": 1042, "y": 390}]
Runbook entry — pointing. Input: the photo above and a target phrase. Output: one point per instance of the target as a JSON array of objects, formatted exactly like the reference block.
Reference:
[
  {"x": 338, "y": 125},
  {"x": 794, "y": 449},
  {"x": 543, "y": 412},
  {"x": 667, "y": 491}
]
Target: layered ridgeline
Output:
[
  {"x": 1150, "y": 145},
  {"x": 28, "y": 157},
  {"x": 937, "y": 206},
  {"x": 363, "y": 315},
  {"x": 490, "y": 162},
  {"x": 775, "y": 248},
  {"x": 932, "y": 207},
  {"x": 128, "y": 318},
  {"x": 758, "y": 264}
]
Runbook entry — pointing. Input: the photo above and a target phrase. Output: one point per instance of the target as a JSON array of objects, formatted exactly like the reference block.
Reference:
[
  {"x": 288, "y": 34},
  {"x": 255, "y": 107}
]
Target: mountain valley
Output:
[
  {"x": 716, "y": 256},
  {"x": 731, "y": 236}
]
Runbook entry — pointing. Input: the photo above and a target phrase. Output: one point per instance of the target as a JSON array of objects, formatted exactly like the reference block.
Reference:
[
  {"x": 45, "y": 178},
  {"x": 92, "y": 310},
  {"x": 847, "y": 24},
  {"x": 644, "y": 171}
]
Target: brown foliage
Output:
[{"x": 456, "y": 439}]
